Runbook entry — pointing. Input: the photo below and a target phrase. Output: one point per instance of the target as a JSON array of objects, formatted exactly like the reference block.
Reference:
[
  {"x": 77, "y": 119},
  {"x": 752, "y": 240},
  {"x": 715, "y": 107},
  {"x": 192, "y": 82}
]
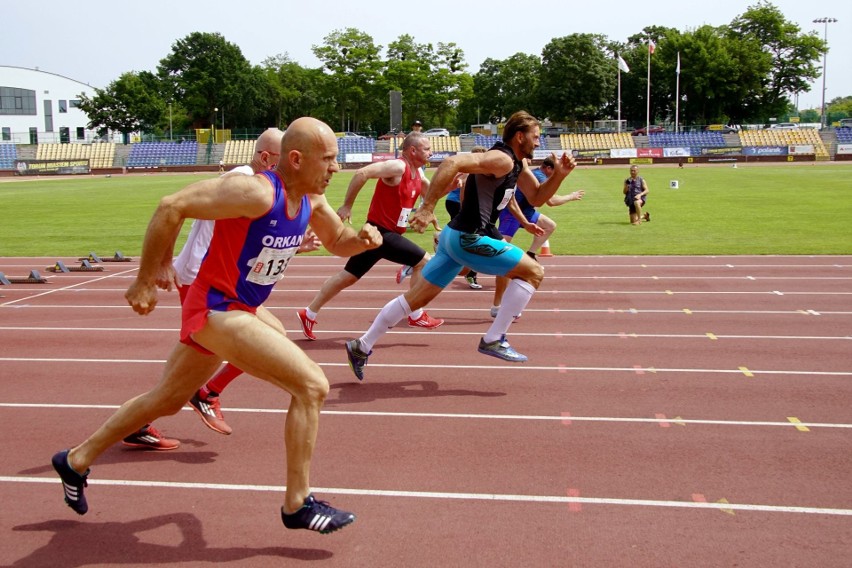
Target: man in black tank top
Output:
[{"x": 471, "y": 238}]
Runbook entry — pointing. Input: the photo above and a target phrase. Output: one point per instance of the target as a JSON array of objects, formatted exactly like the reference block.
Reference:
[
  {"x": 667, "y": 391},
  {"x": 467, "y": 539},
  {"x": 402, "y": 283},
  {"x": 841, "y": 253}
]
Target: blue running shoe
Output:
[
  {"x": 317, "y": 516},
  {"x": 357, "y": 358},
  {"x": 501, "y": 349},
  {"x": 72, "y": 483}
]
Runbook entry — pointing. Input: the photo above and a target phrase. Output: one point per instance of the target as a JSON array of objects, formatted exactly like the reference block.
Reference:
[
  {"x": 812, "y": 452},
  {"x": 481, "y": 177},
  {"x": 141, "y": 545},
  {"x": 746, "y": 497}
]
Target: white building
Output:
[{"x": 40, "y": 107}]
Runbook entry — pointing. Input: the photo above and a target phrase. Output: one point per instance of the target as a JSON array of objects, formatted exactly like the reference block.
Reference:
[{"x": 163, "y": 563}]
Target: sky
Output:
[{"x": 95, "y": 41}]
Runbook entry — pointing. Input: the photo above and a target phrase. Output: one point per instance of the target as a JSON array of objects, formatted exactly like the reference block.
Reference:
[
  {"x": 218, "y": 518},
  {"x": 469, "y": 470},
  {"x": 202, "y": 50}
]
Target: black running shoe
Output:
[
  {"x": 317, "y": 516},
  {"x": 72, "y": 483},
  {"x": 357, "y": 358}
]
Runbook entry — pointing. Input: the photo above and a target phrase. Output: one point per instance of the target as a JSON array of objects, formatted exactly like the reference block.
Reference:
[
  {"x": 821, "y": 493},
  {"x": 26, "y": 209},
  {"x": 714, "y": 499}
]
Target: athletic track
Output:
[{"x": 675, "y": 412}]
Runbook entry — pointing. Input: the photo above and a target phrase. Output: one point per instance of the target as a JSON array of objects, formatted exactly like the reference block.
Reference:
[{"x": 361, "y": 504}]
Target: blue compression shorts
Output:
[
  {"x": 509, "y": 224},
  {"x": 482, "y": 254}
]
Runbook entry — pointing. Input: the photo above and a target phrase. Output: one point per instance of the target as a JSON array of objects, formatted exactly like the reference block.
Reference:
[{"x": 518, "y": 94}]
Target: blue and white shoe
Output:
[
  {"x": 73, "y": 483},
  {"x": 317, "y": 516}
]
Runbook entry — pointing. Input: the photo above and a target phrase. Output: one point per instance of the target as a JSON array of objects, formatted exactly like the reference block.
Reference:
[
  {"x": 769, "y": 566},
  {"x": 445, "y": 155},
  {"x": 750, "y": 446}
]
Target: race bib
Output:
[
  {"x": 269, "y": 266},
  {"x": 403, "y": 217},
  {"x": 510, "y": 191}
]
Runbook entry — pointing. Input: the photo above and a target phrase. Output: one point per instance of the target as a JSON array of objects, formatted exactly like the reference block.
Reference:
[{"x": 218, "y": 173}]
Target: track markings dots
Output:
[{"x": 799, "y": 426}]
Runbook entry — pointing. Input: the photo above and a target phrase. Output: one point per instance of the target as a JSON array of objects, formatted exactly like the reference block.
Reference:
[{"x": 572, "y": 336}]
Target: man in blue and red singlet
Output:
[
  {"x": 399, "y": 185},
  {"x": 260, "y": 222}
]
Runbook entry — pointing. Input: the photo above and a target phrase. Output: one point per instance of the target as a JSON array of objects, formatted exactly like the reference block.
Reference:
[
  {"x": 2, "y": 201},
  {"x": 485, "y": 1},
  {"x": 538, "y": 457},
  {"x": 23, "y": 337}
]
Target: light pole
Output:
[
  {"x": 213, "y": 124},
  {"x": 170, "y": 121},
  {"x": 823, "y": 115}
]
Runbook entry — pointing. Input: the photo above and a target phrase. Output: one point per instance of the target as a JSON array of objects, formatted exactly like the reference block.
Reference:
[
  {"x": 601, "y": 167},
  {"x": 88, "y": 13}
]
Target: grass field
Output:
[{"x": 778, "y": 209}]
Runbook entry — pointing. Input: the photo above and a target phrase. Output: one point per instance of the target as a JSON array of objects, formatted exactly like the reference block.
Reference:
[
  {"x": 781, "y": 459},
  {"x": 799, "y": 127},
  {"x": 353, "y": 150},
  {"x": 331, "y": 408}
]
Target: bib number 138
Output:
[{"x": 269, "y": 266}]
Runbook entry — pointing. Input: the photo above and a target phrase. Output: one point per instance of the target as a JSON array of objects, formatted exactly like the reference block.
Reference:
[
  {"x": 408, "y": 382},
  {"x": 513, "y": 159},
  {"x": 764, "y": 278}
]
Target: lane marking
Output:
[
  {"x": 746, "y": 372},
  {"x": 711, "y": 336},
  {"x": 796, "y": 422},
  {"x": 511, "y": 369},
  {"x": 619, "y": 335},
  {"x": 565, "y": 417},
  {"x": 530, "y": 499}
]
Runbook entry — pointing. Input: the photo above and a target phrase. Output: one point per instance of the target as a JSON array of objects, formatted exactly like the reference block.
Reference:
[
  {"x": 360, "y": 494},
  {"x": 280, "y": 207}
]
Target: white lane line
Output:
[
  {"x": 64, "y": 288},
  {"x": 529, "y": 499},
  {"x": 449, "y": 415},
  {"x": 475, "y": 311},
  {"x": 464, "y": 333},
  {"x": 511, "y": 368}
]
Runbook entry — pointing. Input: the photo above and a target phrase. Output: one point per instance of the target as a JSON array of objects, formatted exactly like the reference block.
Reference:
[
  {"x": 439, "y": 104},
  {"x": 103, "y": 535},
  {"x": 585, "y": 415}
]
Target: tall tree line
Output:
[{"x": 743, "y": 72}]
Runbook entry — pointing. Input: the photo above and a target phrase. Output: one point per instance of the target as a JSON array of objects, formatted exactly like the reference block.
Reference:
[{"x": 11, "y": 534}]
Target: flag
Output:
[
  {"x": 651, "y": 45},
  {"x": 677, "y": 69},
  {"x": 622, "y": 64}
]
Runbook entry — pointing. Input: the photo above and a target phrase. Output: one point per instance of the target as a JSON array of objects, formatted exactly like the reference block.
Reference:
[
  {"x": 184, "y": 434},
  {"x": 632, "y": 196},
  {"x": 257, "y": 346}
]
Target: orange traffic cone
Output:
[{"x": 545, "y": 249}]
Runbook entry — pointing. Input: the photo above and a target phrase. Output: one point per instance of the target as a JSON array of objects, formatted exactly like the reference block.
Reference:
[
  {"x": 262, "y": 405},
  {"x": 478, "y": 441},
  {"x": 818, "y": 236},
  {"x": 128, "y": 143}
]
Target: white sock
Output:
[
  {"x": 515, "y": 299},
  {"x": 416, "y": 314},
  {"x": 310, "y": 314},
  {"x": 391, "y": 314}
]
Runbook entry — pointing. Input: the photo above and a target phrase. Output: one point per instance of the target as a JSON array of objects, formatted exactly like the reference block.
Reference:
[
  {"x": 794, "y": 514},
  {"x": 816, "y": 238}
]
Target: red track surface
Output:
[{"x": 675, "y": 411}]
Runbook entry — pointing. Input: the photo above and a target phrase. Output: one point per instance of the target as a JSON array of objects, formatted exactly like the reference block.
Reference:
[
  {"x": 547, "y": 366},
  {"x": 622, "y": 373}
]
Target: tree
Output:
[
  {"x": 352, "y": 61},
  {"x": 503, "y": 87},
  {"x": 203, "y": 72},
  {"x": 293, "y": 91},
  {"x": 577, "y": 77},
  {"x": 794, "y": 56},
  {"x": 128, "y": 104}
]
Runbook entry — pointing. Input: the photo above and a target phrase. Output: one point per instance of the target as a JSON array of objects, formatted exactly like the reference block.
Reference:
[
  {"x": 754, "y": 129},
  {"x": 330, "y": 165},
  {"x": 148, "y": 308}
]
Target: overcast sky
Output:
[{"x": 94, "y": 41}]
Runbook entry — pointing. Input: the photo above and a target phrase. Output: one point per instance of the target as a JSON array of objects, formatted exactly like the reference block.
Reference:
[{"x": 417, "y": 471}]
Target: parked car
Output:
[
  {"x": 390, "y": 135},
  {"x": 654, "y": 129},
  {"x": 721, "y": 128},
  {"x": 437, "y": 132},
  {"x": 784, "y": 126}
]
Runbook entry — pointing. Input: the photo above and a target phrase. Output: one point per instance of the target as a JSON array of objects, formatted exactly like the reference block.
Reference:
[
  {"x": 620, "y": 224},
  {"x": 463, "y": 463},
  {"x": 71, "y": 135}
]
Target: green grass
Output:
[{"x": 778, "y": 209}]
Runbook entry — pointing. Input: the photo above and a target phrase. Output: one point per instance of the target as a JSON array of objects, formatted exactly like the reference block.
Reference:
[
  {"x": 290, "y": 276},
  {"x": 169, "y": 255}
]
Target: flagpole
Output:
[
  {"x": 648, "y": 97},
  {"x": 677, "y": 95},
  {"x": 619, "y": 95}
]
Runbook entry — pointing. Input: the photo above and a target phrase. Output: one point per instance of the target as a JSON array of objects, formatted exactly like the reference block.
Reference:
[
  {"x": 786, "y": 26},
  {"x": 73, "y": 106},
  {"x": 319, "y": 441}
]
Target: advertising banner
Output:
[
  {"x": 622, "y": 153},
  {"x": 799, "y": 149},
  {"x": 726, "y": 151},
  {"x": 649, "y": 152},
  {"x": 359, "y": 158},
  {"x": 676, "y": 152},
  {"x": 765, "y": 150},
  {"x": 844, "y": 148},
  {"x": 51, "y": 167}
]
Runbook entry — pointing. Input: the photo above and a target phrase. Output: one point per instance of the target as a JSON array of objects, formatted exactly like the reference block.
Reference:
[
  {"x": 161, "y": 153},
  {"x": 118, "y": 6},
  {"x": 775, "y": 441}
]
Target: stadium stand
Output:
[
  {"x": 239, "y": 152},
  {"x": 687, "y": 140},
  {"x": 844, "y": 135},
  {"x": 597, "y": 141},
  {"x": 773, "y": 137},
  {"x": 99, "y": 155},
  {"x": 351, "y": 145},
  {"x": 445, "y": 143},
  {"x": 8, "y": 155},
  {"x": 154, "y": 154}
]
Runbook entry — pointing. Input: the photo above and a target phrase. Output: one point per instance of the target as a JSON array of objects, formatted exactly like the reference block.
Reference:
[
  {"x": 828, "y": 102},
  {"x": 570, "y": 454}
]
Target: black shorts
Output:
[{"x": 394, "y": 248}]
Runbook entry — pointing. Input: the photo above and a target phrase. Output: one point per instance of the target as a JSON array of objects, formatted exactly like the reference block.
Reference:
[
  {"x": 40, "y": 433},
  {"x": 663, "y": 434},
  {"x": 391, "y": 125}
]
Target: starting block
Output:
[
  {"x": 118, "y": 257},
  {"x": 91, "y": 258},
  {"x": 33, "y": 278},
  {"x": 85, "y": 266}
]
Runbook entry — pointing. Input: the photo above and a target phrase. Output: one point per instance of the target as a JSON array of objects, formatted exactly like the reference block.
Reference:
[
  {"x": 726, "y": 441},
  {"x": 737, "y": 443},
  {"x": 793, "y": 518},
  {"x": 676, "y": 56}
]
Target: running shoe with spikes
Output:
[
  {"x": 307, "y": 324},
  {"x": 210, "y": 412},
  {"x": 317, "y": 516},
  {"x": 357, "y": 358},
  {"x": 472, "y": 283},
  {"x": 501, "y": 349},
  {"x": 149, "y": 438},
  {"x": 426, "y": 321},
  {"x": 73, "y": 483}
]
